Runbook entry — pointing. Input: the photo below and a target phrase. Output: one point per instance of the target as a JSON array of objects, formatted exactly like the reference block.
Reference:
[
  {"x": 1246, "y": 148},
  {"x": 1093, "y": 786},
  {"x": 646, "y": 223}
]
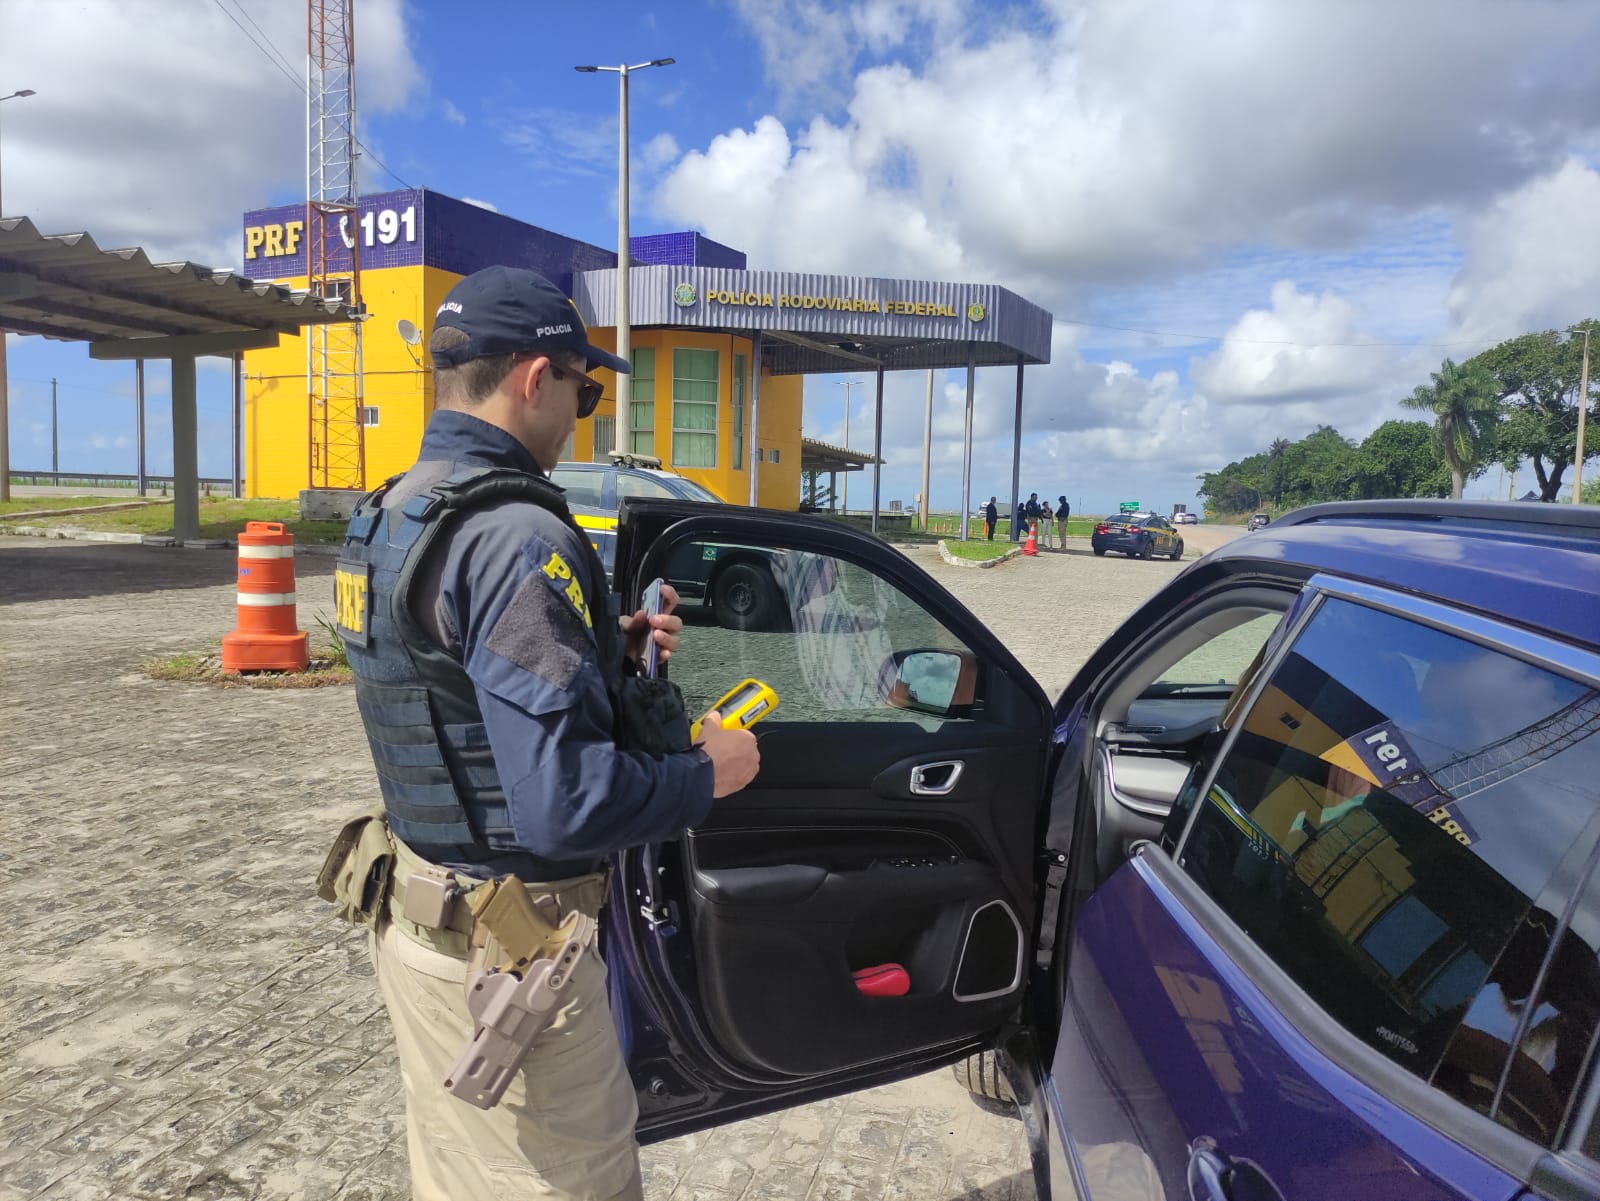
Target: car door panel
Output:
[
  {"x": 1172, "y": 1058},
  {"x": 878, "y": 837}
]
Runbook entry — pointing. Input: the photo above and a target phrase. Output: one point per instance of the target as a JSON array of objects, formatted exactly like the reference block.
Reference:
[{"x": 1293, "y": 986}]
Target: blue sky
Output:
[{"x": 1333, "y": 198}]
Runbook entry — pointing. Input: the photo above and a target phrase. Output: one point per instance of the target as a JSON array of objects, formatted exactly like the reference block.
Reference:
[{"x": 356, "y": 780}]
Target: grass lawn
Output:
[
  {"x": 949, "y": 525},
  {"x": 220, "y": 517},
  {"x": 32, "y": 504}
]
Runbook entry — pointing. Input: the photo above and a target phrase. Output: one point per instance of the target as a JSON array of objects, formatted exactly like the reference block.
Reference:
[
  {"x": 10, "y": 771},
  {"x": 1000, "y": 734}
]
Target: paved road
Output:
[{"x": 182, "y": 1016}]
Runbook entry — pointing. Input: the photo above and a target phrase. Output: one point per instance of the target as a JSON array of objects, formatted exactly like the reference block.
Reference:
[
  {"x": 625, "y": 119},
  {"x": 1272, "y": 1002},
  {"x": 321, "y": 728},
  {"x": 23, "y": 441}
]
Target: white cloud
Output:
[
  {"x": 1531, "y": 258},
  {"x": 1306, "y": 347},
  {"x": 453, "y": 114},
  {"x": 158, "y": 124},
  {"x": 483, "y": 204},
  {"x": 1123, "y": 139}
]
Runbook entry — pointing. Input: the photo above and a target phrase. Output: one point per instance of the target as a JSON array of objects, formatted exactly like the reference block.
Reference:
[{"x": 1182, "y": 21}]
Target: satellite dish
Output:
[{"x": 409, "y": 333}]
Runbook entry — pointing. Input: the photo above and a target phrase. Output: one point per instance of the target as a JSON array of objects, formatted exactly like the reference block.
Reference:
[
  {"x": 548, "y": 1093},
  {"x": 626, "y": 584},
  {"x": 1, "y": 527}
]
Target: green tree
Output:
[
  {"x": 1537, "y": 378},
  {"x": 1462, "y": 399},
  {"x": 1398, "y": 459}
]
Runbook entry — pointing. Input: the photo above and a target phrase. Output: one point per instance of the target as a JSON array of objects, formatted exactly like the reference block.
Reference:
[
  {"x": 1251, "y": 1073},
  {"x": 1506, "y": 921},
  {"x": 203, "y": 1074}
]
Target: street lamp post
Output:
[
  {"x": 624, "y": 256},
  {"x": 846, "y": 384},
  {"x": 5, "y": 415}
]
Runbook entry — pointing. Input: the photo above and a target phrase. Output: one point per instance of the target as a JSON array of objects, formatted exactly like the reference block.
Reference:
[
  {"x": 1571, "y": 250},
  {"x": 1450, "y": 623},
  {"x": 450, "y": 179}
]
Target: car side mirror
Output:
[{"x": 940, "y": 682}]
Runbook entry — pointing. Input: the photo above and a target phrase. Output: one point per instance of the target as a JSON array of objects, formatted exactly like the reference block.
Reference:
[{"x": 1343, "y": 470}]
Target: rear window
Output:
[
  {"x": 582, "y": 486},
  {"x": 1392, "y": 826}
]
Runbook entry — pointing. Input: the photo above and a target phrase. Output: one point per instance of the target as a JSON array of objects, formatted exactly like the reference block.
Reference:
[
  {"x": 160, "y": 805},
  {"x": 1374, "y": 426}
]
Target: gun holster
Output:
[{"x": 652, "y": 716}]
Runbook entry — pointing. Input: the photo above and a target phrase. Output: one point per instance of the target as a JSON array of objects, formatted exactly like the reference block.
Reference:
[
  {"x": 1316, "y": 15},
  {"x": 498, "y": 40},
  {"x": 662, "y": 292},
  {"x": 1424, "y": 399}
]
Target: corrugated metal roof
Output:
[
  {"x": 64, "y": 286},
  {"x": 816, "y": 455}
]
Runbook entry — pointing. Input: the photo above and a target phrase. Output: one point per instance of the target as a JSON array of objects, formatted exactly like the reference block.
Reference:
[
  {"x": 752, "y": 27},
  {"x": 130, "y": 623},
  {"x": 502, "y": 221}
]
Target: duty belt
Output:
[{"x": 438, "y": 907}]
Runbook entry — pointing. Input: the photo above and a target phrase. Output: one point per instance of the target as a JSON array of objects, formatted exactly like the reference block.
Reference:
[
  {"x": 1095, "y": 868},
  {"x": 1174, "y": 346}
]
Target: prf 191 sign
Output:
[{"x": 384, "y": 227}]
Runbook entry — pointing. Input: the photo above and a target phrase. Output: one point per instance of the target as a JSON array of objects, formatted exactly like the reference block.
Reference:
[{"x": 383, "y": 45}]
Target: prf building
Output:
[{"x": 699, "y": 322}]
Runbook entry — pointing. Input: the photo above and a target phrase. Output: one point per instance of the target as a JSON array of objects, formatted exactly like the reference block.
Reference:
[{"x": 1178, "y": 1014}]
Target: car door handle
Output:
[
  {"x": 936, "y": 779},
  {"x": 1208, "y": 1173}
]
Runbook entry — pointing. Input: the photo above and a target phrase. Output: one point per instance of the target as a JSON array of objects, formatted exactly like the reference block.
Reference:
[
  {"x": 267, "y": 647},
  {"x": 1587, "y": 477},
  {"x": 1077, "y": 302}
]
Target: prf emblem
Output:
[
  {"x": 563, "y": 581},
  {"x": 352, "y": 600}
]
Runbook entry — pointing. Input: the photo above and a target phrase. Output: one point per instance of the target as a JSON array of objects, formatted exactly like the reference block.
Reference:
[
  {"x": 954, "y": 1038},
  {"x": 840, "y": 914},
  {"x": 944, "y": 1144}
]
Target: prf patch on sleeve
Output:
[
  {"x": 561, "y": 577},
  {"x": 352, "y": 600}
]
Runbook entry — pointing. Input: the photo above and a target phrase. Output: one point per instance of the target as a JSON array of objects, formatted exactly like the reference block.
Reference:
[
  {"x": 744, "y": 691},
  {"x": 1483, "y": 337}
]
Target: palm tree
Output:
[{"x": 1465, "y": 406}]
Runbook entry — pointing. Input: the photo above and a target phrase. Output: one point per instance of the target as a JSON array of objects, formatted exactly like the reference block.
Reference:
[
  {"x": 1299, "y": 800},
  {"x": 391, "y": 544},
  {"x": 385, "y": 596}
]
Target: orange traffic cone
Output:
[
  {"x": 266, "y": 638},
  {"x": 1031, "y": 546}
]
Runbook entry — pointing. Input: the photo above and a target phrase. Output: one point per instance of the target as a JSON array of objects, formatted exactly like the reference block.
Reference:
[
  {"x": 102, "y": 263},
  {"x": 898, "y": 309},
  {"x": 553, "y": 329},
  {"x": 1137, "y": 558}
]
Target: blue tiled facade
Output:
[{"x": 684, "y": 250}]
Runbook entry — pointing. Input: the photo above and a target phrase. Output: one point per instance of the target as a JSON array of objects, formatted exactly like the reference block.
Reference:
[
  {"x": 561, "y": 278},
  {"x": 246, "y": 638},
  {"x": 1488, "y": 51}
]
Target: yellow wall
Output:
[
  {"x": 277, "y": 429},
  {"x": 276, "y": 410},
  {"x": 779, "y": 417}
]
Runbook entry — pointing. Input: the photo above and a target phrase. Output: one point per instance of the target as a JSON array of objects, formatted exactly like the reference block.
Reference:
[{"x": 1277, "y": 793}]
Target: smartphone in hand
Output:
[{"x": 652, "y": 607}]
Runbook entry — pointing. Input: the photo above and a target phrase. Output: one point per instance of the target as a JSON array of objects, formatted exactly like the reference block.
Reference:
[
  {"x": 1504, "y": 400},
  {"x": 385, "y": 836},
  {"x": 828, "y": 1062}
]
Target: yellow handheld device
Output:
[{"x": 746, "y": 704}]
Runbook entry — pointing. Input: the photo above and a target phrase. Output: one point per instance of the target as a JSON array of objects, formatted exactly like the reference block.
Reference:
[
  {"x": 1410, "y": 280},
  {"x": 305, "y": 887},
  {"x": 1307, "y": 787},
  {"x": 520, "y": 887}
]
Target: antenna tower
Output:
[{"x": 337, "y": 448}]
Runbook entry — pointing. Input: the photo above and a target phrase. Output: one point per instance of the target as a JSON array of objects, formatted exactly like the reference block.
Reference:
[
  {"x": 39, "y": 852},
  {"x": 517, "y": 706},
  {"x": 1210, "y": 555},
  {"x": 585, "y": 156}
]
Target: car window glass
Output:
[
  {"x": 1558, "y": 1024},
  {"x": 641, "y": 485},
  {"x": 582, "y": 487},
  {"x": 834, "y": 640},
  {"x": 689, "y": 490},
  {"x": 1396, "y": 802},
  {"x": 1223, "y": 659}
]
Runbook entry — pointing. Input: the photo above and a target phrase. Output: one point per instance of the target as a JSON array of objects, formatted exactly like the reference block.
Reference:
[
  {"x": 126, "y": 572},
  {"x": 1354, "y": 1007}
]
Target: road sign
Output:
[{"x": 1128, "y": 506}]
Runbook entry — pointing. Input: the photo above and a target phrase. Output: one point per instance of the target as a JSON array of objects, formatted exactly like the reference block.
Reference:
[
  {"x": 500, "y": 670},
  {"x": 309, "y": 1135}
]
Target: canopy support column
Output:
[
  {"x": 238, "y": 418},
  {"x": 877, "y": 449},
  {"x": 966, "y": 441},
  {"x": 927, "y": 452},
  {"x": 185, "y": 452},
  {"x": 1016, "y": 458},
  {"x": 755, "y": 417}
]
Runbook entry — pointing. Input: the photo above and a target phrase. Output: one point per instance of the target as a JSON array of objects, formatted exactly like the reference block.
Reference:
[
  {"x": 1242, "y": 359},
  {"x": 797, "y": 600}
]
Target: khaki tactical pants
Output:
[{"x": 564, "y": 1128}]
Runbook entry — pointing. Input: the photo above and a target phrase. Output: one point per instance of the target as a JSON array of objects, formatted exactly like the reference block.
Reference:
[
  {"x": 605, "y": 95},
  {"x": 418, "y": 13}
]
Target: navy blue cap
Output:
[{"x": 511, "y": 310}]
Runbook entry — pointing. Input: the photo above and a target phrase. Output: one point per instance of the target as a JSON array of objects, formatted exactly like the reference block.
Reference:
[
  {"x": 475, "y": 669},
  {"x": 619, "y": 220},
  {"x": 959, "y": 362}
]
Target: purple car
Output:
[{"x": 1291, "y": 894}]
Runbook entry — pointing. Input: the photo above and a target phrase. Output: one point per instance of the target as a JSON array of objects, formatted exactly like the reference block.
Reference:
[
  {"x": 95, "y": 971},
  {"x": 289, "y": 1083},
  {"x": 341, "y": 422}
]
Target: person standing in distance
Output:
[
  {"x": 488, "y": 678},
  {"x": 1063, "y": 511},
  {"x": 991, "y": 514}
]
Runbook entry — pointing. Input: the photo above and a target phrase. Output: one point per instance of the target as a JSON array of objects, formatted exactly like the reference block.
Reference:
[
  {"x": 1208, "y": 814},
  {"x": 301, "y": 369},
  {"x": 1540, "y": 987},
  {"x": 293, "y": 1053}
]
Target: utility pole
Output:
[
  {"x": 847, "y": 384},
  {"x": 624, "y": 386},
  {"x": 927, "y": 452},
  {"x": 1583, "y": 411},
  {"x": 55, "y": 446}
]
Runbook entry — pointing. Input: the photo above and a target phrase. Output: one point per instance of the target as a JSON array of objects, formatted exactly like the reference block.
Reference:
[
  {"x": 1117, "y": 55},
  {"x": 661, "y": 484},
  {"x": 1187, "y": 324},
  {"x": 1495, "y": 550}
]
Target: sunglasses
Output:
[{"x": 589, "y": 391}]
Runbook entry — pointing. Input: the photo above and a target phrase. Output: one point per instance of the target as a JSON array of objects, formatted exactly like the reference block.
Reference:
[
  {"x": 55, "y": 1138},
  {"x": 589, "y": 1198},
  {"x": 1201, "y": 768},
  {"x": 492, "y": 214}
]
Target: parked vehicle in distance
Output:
[
  {"x": 1294, "y": 892},
  {"x": 1144, "y": 535},
  {"x": 738, "y": 583},
  {"x": 1258, "y": 521},
  {"x": 1186, "y": 518}
]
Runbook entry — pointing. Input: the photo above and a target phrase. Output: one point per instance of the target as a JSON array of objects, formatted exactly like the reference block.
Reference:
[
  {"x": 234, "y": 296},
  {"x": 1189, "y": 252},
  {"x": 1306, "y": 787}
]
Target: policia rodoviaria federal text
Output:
[{"x": 516, "y": 747}]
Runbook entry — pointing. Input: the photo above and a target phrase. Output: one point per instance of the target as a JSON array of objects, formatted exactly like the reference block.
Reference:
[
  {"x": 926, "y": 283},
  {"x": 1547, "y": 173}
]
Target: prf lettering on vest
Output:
[
  {"x": 556, "y": 569},
  {"x": 273, "y": 240},
  {"x": 350, "y": 600}
]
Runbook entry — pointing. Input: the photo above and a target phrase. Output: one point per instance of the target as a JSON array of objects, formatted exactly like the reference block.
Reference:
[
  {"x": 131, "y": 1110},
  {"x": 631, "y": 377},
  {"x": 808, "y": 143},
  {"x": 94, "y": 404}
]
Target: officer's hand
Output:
[
  {"x": 735, "y": 759},
  {"x": 663, "y": 628}
]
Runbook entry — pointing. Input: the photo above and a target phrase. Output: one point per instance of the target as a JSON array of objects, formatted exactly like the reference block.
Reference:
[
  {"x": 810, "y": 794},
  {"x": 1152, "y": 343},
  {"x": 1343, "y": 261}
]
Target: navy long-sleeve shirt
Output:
[{"x": 487, "y": 597}]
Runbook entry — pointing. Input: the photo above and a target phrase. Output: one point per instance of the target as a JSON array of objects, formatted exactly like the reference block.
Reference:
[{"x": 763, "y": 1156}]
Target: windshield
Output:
[{"x": 689, "y": 490}]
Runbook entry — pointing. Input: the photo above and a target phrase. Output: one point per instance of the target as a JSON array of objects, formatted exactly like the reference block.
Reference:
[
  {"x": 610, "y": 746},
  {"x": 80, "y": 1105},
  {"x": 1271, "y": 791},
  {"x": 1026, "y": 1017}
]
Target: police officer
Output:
[{"x": 487, "y": 675}]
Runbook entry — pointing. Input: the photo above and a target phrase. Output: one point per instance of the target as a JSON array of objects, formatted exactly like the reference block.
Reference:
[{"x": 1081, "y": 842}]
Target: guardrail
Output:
[{"x": 80, "y": 479}]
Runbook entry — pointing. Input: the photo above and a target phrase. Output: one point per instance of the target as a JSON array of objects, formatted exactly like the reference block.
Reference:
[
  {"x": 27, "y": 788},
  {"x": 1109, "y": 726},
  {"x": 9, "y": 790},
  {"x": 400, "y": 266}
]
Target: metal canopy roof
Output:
[
  {"x": 64, "y": 286},
  {"x": 816, "y": 455},
  {"x": 815, "y": 323}
]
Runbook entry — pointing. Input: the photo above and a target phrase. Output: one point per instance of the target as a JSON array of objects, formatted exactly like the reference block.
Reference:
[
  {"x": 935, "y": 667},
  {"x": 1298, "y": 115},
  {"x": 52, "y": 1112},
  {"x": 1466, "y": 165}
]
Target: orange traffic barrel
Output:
[{"x": 265, "y": 638}]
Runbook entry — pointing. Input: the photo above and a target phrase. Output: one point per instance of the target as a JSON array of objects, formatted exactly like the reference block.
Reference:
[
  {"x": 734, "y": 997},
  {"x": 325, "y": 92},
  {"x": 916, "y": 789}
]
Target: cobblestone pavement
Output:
[{"x": 182, "y": 1017}]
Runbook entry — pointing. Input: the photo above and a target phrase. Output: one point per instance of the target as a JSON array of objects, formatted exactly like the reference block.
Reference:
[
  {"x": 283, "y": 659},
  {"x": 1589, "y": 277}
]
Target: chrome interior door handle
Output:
[{"x": 936, "y": 779}]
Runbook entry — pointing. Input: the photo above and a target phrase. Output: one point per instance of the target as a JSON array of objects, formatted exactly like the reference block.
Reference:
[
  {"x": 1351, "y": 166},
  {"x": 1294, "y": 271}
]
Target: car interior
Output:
[
  {"x": 881, "y": 865},
  {"x": 1157, "y": 715}
]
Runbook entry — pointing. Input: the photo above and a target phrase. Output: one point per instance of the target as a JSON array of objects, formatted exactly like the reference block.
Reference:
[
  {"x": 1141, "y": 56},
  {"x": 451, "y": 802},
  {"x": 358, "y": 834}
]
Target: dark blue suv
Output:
[{"x": 1293, "y": 892}]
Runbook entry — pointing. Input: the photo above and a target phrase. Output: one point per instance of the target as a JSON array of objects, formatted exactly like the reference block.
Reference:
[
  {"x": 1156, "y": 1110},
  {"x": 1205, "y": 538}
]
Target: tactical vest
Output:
[{"x": 440, "y": 789}]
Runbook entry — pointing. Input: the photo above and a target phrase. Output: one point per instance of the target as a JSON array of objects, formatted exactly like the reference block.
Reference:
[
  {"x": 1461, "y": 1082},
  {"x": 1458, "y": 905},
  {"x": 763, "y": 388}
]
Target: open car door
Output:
[{"x": 864, "y": 910}]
